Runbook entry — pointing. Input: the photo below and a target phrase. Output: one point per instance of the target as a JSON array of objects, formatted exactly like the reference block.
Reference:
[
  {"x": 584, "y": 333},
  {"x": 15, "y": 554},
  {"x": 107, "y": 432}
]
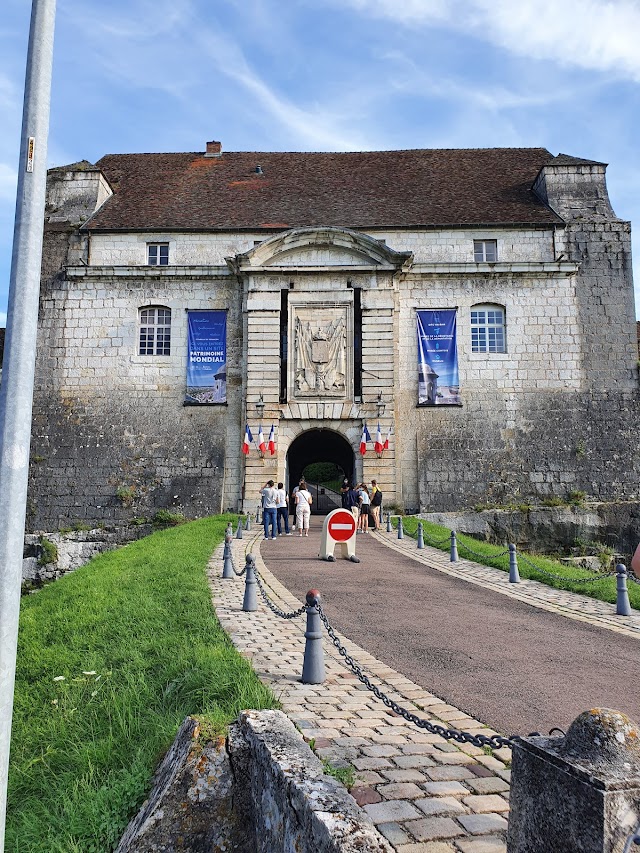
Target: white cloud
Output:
[{"x": 600, "y": 35}]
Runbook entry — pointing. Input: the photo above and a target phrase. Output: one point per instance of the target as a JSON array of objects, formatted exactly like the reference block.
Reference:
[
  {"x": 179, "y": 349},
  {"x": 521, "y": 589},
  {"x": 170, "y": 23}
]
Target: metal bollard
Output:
[
  {"x": 514, "y": 575},
  {"x": 239, "y": 530},
  {"x": 227, "y": 569},
  {"x": 229, "y": 530},
  {"x": 250, "y": 601},
  {"x": 389, "y": 527},
  {"x": 313, "y": 664},
  {"x": 247, "y": 522},
  {"x": 400, "y": 528},
  {"x": 623, "y": 608},
  {"x": 454, "y": 548},
  {"x": 420, "y": 535}
]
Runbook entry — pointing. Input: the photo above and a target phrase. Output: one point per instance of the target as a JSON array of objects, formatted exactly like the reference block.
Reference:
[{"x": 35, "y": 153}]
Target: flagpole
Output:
[{"x": 16, "y": 390}]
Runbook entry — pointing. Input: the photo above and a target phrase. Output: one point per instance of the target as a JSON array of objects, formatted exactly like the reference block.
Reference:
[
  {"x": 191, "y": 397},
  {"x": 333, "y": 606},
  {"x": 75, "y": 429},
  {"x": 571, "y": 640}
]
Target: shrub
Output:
[{"x": 49, "y": 553}]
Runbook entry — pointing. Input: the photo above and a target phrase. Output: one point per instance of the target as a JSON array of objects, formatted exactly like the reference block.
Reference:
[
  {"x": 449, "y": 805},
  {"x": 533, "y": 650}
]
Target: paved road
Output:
[{"x": 515, "y": 667}]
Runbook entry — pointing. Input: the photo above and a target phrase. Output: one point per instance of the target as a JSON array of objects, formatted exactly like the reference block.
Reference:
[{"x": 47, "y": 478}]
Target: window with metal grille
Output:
[
  {"x": 488, "y": 329},
  {"x": 155, "y": 331},
  {"x": 158, "y": 254},
  {"x": 485, "y": 251}
]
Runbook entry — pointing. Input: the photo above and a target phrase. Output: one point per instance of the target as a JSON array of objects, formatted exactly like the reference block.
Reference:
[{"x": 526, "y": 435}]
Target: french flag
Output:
[
  {"x": 261, "y": 442},
  {"x": 272, "y": 441},
  {"x": 248, "y": 438},
  {"x": 364, "y": 439},
  {"x": 378, "y": 446},
  {"x": 385, "y": 446}
]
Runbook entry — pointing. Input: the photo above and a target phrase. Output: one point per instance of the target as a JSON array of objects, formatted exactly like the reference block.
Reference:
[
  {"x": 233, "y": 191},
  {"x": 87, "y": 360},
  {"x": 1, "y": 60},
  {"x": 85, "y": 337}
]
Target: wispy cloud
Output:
[{"x": 600, "y": 35}]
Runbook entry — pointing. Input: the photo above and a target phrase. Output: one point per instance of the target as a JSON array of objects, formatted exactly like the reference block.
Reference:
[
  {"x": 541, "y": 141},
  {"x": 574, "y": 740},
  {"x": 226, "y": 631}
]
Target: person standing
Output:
[
  {"x": 376, "y": 503},
  {"x": 353, "y": 503},
  {"x": 282, "y": 510},
  {"x": 344, "y": 494},
  {"x": 365, "y": 507},
  {"x": 269, "y": 504},
  {"x": 303, "y": 508}
]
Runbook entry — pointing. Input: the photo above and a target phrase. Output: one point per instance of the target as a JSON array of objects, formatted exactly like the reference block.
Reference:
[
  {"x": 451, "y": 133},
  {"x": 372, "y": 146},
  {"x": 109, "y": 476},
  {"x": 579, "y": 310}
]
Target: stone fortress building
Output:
[{"x": 477, "y": 305}]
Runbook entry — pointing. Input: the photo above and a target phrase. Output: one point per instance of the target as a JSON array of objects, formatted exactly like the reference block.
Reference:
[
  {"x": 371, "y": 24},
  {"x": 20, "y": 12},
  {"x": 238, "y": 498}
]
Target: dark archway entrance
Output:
[{"x": 319, "y": 445}]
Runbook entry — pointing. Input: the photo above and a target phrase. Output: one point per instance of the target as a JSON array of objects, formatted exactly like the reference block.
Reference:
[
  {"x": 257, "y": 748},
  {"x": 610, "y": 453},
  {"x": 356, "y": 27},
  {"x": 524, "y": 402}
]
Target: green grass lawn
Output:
[
  {"x": 111, "y": 659},
  {"x": 483, "y": 552}
]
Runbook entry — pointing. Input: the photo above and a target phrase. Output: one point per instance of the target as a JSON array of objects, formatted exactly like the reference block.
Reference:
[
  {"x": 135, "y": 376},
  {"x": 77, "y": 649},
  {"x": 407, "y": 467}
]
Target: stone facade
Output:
[{"x": 321, "y": 338}]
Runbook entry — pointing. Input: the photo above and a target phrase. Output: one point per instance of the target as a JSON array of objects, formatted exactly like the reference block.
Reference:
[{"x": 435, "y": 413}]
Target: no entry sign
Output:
[{"x": 341, "y": 525}]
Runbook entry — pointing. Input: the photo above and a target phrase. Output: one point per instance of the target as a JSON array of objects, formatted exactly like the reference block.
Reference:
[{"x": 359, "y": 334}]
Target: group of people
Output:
[
  {"x": 364, "y": 504},
  {"x": 275, "y": 509}
]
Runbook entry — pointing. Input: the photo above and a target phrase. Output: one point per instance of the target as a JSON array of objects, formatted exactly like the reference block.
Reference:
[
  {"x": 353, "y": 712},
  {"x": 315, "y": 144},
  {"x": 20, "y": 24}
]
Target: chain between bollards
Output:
[
  {"x": 623, "y": 607},
  {"x": 313, "y": 664}
]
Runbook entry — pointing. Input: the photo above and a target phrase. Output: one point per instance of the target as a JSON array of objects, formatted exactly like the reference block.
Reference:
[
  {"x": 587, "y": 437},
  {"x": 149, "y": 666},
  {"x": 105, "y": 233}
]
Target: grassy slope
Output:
[
  {"x": 482, "y": 552},
  {"x": 136, "y": 638}
]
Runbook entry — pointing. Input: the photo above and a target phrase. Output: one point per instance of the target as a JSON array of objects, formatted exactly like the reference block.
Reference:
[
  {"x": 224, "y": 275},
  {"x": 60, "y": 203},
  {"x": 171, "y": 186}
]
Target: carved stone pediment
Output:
[{"x": 321, "y": 247}]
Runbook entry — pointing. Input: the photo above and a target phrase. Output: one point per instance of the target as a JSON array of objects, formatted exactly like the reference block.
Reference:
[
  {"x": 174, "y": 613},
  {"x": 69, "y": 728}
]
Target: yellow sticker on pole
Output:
[{"x": 30, "y": 149}]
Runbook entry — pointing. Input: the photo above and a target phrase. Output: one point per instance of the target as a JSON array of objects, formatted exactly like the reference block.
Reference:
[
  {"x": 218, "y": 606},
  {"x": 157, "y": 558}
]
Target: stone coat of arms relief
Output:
[{"x": 320, "y": 354}]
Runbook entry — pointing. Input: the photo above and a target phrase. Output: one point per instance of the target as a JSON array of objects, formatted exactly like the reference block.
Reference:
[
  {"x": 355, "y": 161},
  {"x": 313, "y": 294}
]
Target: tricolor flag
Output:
[
  {"x": 378, "y": 445},
  {"x": 385, "y": 446},
  {"x": 364, "y": 439},
  {"x": 261, "y": 443},
  {"x": 272, "y": 441},
  {"x": 248, "y": 438}
]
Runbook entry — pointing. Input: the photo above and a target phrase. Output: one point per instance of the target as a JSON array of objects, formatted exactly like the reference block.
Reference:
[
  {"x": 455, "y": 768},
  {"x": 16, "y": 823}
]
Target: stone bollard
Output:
[
  {"x": 239, "y": 530},
  {"x": 389, "y": 527},
  {"x": 313, "y": 664},
  {"x": 580, "y": 792},
  {"x": 420, "y": 536},
  {"x": 250, "y": 601},
  {"x": 623, "y": 608},
  {"x": 514, "y": 574},
  {"x": 247, "y": 522},
  {"x": 227, "y": 568},
  {"x": 400, "y": 528},
  {"x": 454, "y": 548}
]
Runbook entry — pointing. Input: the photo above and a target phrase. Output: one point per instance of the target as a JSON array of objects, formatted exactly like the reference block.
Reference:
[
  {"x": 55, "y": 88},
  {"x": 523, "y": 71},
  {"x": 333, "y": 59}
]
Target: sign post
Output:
[{"x": 339, "y": 528}]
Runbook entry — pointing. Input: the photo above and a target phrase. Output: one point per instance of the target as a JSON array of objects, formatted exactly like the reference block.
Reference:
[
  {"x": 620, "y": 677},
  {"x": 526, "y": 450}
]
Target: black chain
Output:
[
  {"x": 495, "y": 741},
  {"x": 599, "y": 577},
  {"x": 427, "y": 538},
  {"x": 294, "y": 613}
]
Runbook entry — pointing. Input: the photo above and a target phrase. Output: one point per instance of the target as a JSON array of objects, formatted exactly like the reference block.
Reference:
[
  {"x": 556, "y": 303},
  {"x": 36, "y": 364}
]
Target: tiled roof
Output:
[{"x": 356, "y": 190}]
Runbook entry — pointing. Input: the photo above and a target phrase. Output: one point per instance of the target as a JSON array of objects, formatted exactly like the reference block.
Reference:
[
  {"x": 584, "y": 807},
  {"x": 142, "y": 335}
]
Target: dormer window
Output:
[
  {"x": 158, "y": 254},
  {"x": 485, "y": 251}
]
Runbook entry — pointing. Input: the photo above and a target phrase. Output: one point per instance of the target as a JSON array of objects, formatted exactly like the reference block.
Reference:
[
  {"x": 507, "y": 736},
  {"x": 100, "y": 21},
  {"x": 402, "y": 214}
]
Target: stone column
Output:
[{"x": 580, "y": 792}]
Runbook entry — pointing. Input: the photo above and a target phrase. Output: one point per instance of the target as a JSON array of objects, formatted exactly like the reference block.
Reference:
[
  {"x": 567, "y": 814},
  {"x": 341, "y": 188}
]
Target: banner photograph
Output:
[
  {"x": 438, "y": 380},
  {"x": 206, "y": 358}
]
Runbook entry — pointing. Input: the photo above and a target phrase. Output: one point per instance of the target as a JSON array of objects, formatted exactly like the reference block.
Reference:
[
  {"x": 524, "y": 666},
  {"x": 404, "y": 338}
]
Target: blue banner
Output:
[
  {"x": 438, "y": 379},
  {"x": 206, "y": 358}
]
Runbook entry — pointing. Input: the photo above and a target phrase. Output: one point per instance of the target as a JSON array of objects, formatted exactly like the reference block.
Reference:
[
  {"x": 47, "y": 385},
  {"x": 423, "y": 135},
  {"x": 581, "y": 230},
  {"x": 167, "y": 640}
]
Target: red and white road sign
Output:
[{"x": 341, "y": 525}]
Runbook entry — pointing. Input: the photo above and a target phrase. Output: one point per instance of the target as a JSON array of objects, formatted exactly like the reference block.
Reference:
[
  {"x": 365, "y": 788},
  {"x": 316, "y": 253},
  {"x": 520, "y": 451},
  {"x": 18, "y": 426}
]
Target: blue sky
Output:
[{"x": 320, "y": 75}]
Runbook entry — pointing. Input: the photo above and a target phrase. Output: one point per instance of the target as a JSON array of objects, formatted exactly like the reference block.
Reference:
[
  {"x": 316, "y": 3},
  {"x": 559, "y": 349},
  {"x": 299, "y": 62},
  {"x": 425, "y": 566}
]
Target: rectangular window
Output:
[
  {"x": 485, "y": 251},
  {"x": 155, "y": 331},
  {"x": 487, "y": 330},
  {"x": 158, "y": 254}
]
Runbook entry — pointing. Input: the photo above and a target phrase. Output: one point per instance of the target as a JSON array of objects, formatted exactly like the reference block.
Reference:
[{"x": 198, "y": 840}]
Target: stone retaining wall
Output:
[{"x": 260, "y": 791}]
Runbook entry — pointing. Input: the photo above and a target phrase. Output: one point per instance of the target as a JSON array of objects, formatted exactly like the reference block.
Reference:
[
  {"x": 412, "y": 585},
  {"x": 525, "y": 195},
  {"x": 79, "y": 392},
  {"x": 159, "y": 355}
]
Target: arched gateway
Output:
[{"x": 319, "y": 445}]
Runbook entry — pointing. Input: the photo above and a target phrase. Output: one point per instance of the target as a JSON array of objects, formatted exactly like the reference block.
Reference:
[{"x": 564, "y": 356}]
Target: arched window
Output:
[
  {"x": 155, "y": 331},
  {"x": 488, "y": 333}
]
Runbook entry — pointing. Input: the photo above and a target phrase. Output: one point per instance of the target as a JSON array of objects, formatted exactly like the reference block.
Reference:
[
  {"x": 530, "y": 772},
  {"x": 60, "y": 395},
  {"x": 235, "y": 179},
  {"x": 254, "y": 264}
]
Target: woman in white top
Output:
[
  {"x": 365, "y": 505},
  {"x": 303, "y": 508}
]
